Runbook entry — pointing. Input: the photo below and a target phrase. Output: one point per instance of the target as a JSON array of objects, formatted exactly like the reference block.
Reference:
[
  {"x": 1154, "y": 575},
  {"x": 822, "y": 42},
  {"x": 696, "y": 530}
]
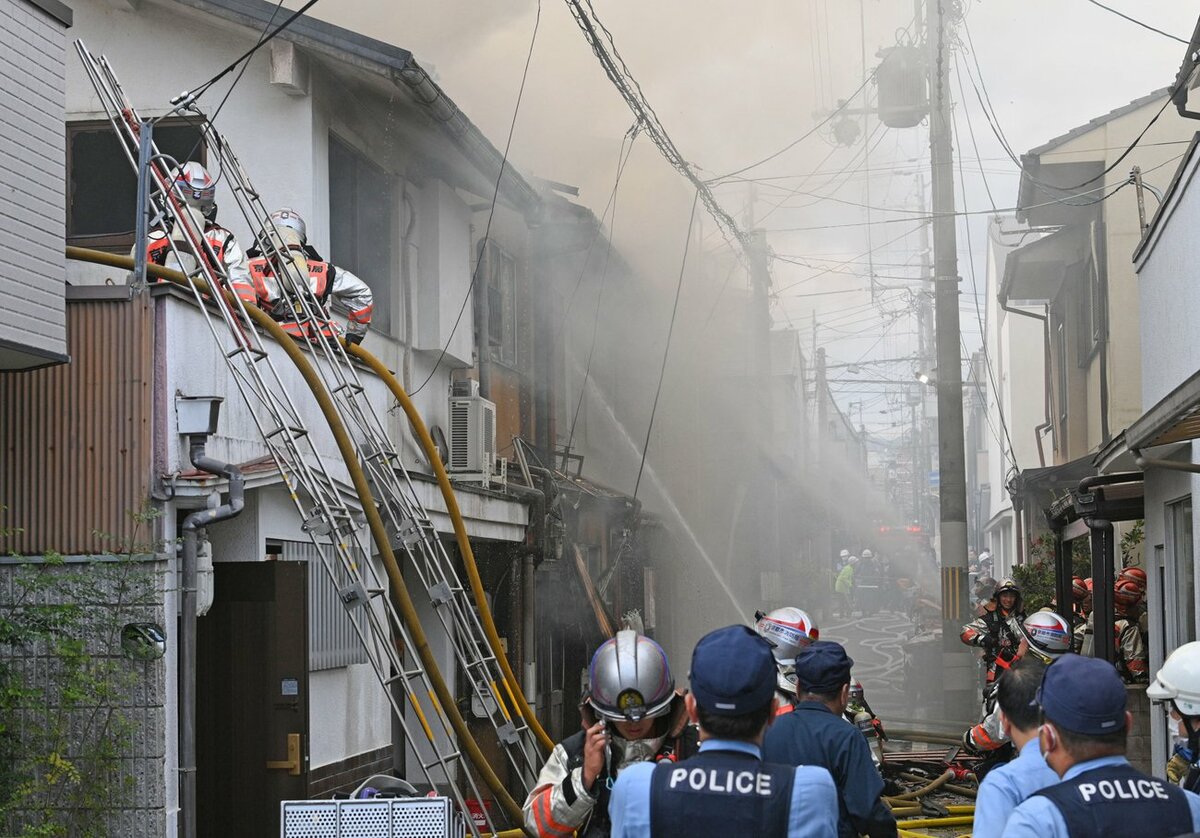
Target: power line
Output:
[
  {"x": 1139, "y": 23},
  {"x": 687, "y": 243},
  {"x": 619, "y": 74},
  {"x": 198, "y": 92},
  {"x": 537, "y": 20}
]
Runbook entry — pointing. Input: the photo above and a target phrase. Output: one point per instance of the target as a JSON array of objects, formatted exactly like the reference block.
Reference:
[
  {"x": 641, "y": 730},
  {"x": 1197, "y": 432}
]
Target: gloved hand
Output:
[
  {"x": 1177, "y": 768},
  {"x": 354, "y": 338},
  {"x": 989, "y": 642}
]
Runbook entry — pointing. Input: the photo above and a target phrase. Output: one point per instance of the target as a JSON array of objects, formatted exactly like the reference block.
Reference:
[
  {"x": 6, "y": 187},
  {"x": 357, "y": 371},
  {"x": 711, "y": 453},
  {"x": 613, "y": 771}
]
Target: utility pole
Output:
[{"x": 959, "y": 686}]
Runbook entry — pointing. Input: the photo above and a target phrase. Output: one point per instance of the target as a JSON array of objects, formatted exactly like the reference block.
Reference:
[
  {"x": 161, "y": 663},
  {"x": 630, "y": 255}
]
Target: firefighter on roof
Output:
[{"x": 267, "y": 287}]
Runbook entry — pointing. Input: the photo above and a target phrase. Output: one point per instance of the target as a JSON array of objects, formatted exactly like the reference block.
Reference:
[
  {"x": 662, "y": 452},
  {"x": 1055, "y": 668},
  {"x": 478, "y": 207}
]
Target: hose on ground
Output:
[
  {"x": 924, "y": 790},
  {"x": 375, "y": 522},
  {"x": 460, "y": 536}
]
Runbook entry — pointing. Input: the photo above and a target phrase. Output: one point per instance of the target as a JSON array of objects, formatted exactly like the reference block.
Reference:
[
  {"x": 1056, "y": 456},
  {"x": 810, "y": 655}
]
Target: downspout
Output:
[
  {"x": 187, "y": 632},
  {"x": 406, "y": 269},
  {"x": 1102, "y": 545},
  {"x": 1145, "y": 463}
]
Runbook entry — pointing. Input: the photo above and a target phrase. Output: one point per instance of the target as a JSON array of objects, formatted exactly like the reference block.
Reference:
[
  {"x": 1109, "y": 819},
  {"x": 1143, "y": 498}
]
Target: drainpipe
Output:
[
  {"x": 1145, "y": 463},
  {"x": 1102, "y": 545},
  {"x": 187, "y": 632}
]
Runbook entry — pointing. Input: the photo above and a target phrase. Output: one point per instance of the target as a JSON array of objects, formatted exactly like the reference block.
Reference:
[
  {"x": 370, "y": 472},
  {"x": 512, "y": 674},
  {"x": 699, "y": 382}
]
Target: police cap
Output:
[
  {"x": 1083, "y": 695},
  {"x": 733, "y": 672},
  {"x": 823, "y": 667}
]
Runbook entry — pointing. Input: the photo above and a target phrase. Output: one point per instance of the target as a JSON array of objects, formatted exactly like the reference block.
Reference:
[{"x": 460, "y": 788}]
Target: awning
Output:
[
  {"x": 1176, "y": 418},
  {"x": 1036, "y": 272}
]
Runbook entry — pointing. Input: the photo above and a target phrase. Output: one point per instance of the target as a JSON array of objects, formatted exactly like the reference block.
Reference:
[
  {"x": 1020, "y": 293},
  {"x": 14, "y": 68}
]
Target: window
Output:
[
  {"x": 499, "y": 269},
  {"x": 1182, "y": 570},
  {"x": 102, "y": 186},
  {"x": 361, "y": 230},
  {"x": 332, "y": 639}
]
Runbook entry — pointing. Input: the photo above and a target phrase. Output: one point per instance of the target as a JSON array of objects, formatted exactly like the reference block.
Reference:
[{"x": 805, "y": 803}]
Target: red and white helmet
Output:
[
  {"x": 1049, "y": 635},
  {"x": 1133, "y": 574},
  {"x": 1127, "y": 593},
  {"x": 196, "y": 185},
  {"x": 788, "y": 630},
  {"x": 1080, "y": 590}
]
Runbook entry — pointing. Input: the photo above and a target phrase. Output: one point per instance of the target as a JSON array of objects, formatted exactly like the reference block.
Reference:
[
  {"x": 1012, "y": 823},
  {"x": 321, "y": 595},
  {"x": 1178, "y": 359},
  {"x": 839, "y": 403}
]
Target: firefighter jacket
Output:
[
  {"x": 1129, "y": 644},
  {"x": 1005, "y": 627},
  {"x": 559, "y": 804},
  {"x": 222, "y": 242},
  {"x": 326, "y": 282}
]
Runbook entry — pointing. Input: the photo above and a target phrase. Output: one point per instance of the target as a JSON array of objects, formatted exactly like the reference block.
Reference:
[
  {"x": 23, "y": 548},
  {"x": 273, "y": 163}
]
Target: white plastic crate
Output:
[{"x": 411, "y": 817}]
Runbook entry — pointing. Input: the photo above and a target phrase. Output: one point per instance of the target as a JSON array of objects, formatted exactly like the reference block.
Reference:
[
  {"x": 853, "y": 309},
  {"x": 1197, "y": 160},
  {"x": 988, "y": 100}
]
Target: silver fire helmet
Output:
[{"x": 630, "y": 679}]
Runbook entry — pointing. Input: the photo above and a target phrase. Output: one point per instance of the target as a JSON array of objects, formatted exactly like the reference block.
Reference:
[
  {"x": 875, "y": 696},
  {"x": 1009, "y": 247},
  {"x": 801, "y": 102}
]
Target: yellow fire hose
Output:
[
  {"x": 460, "y": 536},
  {"x": 374, "y": 520},
  {"x": 906, "y": 833},
  {"x": 935, "y": 822},
  {"x": 924, "y": 790}
]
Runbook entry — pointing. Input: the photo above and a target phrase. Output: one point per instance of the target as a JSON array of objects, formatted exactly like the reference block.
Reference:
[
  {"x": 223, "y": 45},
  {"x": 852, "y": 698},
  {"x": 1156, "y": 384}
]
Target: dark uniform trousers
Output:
[
  {"x": 717, "y": 794},
  {"x": 1116, "y": 801}
]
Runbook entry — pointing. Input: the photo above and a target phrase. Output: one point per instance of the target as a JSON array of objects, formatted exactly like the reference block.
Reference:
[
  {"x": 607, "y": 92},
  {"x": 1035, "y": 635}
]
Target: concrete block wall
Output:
[
  {"x": 1139, "y": 736},
  {"x": 136, "y": 806}
]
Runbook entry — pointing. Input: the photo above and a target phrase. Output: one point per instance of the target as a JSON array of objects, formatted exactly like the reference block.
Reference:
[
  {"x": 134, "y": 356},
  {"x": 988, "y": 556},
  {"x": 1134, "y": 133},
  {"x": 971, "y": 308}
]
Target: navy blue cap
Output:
[
  {"x": 733, "y": 672},
  {"x": 823, "y": 667},
  {"x": 1083, "y": 695}
]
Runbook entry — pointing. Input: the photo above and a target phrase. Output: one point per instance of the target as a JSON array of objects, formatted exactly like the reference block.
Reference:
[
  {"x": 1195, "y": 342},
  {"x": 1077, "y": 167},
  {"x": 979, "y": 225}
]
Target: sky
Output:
[{"x": 735, "y": 82}]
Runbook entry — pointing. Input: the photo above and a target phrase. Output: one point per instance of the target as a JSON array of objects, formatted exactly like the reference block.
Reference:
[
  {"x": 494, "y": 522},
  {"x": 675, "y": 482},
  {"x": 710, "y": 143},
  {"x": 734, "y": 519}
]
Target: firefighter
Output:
[
  {"x": 1045, "y": 636},
  {"x": 1131, "y": 648},
  {"x": 327, "y": 282},
  {"x": 788, "y": 630},
  {"x": 998, "y": 630},
  {"x": 1083, "y": 736},
  {"x": 631, "y": 713},
  {"x": 1178, "y": 684},
  {"x": 727, "y": 789},
  {"x": 859, "y": 713},
  {"x": 194, "y": 191},
  {"x": 843, "y": 586}
]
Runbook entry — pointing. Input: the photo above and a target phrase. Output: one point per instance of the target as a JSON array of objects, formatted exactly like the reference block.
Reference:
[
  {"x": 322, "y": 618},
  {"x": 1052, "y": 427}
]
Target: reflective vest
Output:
[
  {"x": 269, "y": 295},
  {"x": 160, "y": 244},
  {"x": 1118, "y": 801},
  {"x": 716, "y": 794}
]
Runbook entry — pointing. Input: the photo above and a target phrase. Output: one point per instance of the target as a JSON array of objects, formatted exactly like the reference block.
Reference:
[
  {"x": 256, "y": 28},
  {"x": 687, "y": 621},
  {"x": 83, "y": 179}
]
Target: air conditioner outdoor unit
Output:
[{"x": 472, "y": 438}]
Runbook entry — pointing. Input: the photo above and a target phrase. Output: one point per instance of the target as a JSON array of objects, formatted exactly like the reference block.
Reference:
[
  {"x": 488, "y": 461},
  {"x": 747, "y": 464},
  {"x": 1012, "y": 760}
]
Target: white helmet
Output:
[
  {"x": 1049, "y": 635},
  {"x": 1179, "y": 680},
  {"x": 196, "y": 185},
  {"x": 291, "y": 220},
  {"x": 866, "y": 553},
  {"x": 788, "y": 630},
  {"x": 845, "y": 554}
]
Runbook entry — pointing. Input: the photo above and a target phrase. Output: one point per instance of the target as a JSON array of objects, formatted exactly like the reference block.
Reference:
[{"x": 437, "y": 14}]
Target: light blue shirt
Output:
[
  {"x": 813, "y": 814},
  {"x": 1005, "y": 787},
  {"x": 1037, "y": 817}
]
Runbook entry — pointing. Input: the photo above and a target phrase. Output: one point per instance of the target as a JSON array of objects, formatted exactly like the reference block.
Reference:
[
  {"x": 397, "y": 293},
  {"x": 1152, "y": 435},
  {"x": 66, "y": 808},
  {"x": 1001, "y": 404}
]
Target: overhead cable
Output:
[{"x": 1139, "y": 23}]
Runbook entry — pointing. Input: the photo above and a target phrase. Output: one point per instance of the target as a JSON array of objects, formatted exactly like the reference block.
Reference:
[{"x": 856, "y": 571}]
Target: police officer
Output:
[
  {"x": 816, "y": 734},
  {"x": 631, "y": 713},
  {"x": 1004, "y": 787},
  {"x": 1083, "y": 738},
  {"x": 726, "y": 789}
]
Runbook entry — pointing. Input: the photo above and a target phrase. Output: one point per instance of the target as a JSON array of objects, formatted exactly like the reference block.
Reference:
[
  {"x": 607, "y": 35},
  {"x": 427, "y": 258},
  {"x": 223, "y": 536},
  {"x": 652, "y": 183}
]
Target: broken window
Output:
[
  {"x": 102, "y": 185},
  {"x": 361, "y": 228}
]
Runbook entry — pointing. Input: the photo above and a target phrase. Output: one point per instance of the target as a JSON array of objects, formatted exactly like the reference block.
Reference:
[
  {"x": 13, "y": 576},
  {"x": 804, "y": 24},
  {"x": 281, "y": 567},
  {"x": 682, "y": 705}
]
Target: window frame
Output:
[{"x": 109, "y": 242}]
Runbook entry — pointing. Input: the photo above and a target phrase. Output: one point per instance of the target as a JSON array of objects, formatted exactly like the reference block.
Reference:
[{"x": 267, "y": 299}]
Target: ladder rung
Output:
[{"x": 295, "y": 431}]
